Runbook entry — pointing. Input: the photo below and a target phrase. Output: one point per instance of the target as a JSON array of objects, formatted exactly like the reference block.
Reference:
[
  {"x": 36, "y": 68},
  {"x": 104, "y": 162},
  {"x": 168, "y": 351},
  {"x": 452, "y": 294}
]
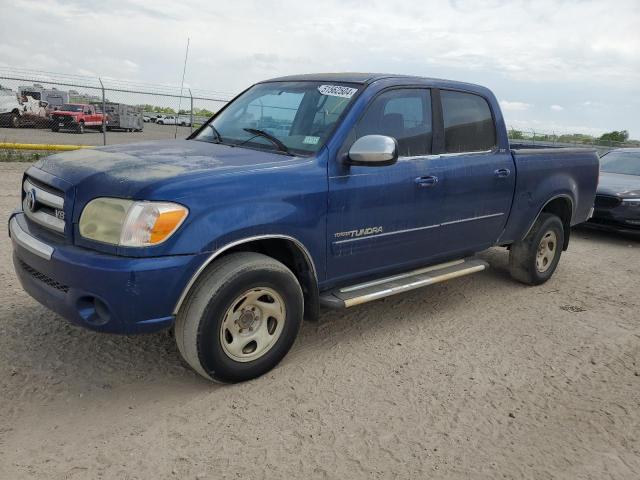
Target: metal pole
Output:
[
  {"x": 191, "y": 119},
  {"x": 184, "y": 70},
  {"x": 104, "y": 114}
]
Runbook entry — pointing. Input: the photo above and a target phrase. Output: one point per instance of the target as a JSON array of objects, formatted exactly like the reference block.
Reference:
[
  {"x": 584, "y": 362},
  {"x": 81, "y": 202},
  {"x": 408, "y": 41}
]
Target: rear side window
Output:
[
  {"x": 404, "y": 114},
  {"x": 468, "y": 124}
]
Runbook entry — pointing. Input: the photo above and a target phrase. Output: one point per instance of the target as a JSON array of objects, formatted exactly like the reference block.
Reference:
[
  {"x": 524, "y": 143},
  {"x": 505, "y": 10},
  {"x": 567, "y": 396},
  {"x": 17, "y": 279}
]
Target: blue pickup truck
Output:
[{"x": 304, "y": 191}]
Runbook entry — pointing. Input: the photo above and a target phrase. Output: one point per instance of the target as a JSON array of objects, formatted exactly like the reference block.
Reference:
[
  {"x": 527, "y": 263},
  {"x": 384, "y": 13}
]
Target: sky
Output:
[{"x": 555, "y": 65}]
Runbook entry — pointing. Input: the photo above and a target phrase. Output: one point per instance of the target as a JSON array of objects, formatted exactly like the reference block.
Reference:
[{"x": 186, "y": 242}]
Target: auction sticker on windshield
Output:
[{"x": 337, "y": 91}]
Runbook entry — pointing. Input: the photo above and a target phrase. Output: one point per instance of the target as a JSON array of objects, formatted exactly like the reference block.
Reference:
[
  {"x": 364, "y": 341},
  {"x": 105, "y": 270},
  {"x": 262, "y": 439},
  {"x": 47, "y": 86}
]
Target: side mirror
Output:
[{"x": 373, "y": 151}]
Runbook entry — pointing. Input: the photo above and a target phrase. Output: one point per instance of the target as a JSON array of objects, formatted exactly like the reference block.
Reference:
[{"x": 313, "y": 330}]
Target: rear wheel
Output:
[
  {"x": 55, "y": 128},
  {"x": 241, "y": 318},
  {"x": 534, "y": 259}
]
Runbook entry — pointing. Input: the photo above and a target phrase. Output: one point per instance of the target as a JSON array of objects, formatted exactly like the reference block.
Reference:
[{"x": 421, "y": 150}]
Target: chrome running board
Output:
[{"x": 384, "y": 287}]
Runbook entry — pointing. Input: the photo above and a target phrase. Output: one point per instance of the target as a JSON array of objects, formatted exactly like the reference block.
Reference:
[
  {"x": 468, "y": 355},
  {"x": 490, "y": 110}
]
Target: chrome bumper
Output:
[{"x": 28, "y": 242}]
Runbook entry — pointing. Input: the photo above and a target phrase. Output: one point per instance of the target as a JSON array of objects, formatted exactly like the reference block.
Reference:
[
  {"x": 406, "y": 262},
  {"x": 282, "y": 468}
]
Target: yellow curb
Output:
[{"x": 39, "y": 146}]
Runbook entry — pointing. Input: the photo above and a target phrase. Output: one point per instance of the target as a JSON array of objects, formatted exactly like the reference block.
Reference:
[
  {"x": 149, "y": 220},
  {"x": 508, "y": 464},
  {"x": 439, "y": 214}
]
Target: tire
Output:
[
  {"x": 55, "y": 129},
  {"x": 534, "y": 259},
  {"x": 14, "y": 121},
  {"x": 217, "y": 346},
  {"x": 81, "y": 127}
]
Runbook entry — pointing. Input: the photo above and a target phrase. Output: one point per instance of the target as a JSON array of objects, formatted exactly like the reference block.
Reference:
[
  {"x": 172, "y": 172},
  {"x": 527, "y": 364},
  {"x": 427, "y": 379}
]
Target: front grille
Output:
[
  {"x": 607, "y": 201},
  {"x": 43, "y": 278},
  {"x": 67, "y": 119},
  {"x": 43, "y": 205}
]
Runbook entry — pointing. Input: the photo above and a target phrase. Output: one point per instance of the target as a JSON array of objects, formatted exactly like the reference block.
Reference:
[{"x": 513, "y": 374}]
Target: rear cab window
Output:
[{"x": 468, "y": 122}]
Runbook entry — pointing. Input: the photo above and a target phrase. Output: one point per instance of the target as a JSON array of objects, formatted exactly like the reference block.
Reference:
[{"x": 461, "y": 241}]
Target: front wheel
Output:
[
  {"x": 534, "y": 259},
  {"x": 14, "y": 121},
  {"x": 241, "y": 318}
]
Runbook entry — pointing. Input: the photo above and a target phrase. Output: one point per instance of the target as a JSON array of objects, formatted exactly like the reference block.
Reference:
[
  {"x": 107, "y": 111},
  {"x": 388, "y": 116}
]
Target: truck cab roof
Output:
[{"x": 367, "y": 78}]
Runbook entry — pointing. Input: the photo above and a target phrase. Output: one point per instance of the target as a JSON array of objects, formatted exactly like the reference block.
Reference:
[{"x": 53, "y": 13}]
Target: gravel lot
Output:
[
  {"x": 45, "y": 136},
  {"x": 478, "y": 378}
]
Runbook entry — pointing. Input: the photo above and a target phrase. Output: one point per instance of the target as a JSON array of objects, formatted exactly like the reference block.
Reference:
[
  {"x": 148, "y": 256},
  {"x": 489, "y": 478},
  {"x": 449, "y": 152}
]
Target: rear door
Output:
[
  {"x": 478, "y": 177},
  {"x": 383, "y": 218}
]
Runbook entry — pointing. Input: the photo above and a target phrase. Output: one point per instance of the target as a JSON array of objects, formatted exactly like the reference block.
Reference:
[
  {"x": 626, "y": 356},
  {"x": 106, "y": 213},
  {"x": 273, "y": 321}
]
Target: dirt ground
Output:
[
  {"x": 151, "y": 131},
  {"x": 478, "y": 378}
]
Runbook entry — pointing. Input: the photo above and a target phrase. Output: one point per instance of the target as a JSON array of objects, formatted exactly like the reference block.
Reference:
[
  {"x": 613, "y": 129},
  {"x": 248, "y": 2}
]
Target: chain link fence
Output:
[
  {"x": 56, "y": 109},
  {"x": 551, "y": 139},
  {"x": 43, "y": 108}
]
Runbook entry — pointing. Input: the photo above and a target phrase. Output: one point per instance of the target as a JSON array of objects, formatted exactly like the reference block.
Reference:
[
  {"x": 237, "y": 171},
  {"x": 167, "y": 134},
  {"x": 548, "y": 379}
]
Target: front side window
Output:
[
  {"x": 404, "y": 114},
  {"x": 295, "y": 117},
  {"x": 468, "y": 123}
]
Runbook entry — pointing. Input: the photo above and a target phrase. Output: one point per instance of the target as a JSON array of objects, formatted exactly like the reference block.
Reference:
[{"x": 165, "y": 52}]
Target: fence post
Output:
[
  {"x": 191, "y": 122},
  {"x": 104, "y": 114}
]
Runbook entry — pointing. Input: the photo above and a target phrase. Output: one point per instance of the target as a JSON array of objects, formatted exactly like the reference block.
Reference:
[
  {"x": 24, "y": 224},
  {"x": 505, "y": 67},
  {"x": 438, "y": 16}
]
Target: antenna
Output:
[{"x": 184, "y": 69}]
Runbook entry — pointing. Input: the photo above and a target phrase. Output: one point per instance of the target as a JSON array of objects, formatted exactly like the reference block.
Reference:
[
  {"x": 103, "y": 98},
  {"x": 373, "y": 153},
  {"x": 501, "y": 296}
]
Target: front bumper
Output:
[
  {"x": 64, "y": 122},
  {"x": 624, "y": 218},
  {"x": 101, "y": 292}
]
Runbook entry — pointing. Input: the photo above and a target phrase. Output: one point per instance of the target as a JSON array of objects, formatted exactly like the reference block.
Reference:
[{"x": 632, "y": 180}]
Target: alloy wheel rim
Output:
[
  {"x": 546, "y": 251},
  {"x": 252, "y": 324}
]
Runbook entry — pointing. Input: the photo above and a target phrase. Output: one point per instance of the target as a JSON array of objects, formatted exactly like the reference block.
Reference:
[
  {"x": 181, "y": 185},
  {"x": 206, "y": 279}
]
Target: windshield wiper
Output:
[
  {"x": 216, "y": 134},
  {"x": 261, "y": 133}
]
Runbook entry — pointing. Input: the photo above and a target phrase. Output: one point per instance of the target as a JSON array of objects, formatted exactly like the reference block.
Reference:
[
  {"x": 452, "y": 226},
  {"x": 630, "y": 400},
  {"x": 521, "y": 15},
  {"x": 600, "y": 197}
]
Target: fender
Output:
[
  {"x": 235, "y": 243},
  {"x": 555, "y": 197}
]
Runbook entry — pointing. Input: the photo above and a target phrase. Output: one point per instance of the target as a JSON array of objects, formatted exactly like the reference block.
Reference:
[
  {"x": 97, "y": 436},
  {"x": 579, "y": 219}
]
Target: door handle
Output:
[
  {"x": 428, "y": 181},
  {"x": 502, "y": 172}
]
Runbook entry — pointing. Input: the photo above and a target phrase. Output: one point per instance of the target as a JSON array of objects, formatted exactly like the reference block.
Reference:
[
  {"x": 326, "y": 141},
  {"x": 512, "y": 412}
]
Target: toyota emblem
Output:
[{"x": 31, "y": 200}]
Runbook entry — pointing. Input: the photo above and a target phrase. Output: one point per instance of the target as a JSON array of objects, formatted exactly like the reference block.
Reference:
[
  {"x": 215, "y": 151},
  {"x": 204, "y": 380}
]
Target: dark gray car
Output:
[{"x": 617, "y": 204}]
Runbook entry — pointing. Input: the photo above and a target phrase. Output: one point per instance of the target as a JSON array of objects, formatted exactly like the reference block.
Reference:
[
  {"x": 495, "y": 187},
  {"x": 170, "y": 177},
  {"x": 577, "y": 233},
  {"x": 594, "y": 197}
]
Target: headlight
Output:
[
  {"x": 130, "y": 223},
  {"x": 631, "y": 202}
]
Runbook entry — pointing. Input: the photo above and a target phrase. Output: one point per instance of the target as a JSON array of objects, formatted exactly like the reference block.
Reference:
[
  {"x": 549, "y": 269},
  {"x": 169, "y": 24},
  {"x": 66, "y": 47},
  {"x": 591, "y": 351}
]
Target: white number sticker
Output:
[
  {"x": 337, "y": 91},
  {"x": 311, "y": 140}
]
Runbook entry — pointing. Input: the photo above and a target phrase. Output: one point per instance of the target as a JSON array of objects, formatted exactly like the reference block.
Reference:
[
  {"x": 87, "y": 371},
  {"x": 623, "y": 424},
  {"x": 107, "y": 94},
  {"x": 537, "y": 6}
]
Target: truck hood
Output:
[
  {"x": 128, "y": 170},
  {"x": 9, "y": 104},
  {"x": 619, "y": 185}
]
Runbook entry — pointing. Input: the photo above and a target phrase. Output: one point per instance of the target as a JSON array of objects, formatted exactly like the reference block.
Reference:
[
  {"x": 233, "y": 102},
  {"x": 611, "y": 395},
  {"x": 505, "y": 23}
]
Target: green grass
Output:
[{"x": 21, "y": 156}]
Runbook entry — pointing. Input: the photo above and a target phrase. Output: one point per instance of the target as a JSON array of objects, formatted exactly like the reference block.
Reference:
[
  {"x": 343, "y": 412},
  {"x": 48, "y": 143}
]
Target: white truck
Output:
[
  {"x": 182, "y": 120},
  {"x": 10, "y": 109}
]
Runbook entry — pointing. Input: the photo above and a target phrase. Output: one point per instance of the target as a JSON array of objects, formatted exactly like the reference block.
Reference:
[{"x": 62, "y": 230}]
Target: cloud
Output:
[
  {"x": 542, "y": 53},
  {"x": 514, "y": 106},
  {"x": 556, "y": 108}
]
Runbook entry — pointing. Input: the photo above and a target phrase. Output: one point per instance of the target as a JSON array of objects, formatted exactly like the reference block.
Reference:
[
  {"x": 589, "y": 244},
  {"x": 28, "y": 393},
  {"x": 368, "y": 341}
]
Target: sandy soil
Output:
[{"x": 478, "y": 378}]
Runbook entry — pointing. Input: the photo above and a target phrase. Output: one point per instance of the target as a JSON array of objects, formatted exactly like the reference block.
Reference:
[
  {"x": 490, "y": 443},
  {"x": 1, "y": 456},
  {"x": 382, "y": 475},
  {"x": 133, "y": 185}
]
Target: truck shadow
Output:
[
  {"x": 593, "y": 234},
  {"x": 63, "y": 357}
]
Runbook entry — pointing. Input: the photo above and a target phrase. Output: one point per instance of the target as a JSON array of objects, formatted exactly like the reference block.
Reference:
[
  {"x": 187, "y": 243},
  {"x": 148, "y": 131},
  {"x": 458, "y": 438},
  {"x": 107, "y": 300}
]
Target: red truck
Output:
[{"x": 77, "y": 117}]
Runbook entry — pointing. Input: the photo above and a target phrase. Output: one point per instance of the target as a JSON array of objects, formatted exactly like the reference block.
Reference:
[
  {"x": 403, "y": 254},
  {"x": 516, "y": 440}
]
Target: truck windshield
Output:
[
  {"x": 71, "y": 108},
  {"x": 627, "y": 163},
  {"x": 293, "y": 117}
]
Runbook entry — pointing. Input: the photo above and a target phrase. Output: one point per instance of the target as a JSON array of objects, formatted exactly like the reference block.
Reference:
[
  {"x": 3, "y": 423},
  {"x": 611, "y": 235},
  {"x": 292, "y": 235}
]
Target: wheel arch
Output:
[
  {"x": 563, "y": 207},
  {"x": 287, "y": 250}
]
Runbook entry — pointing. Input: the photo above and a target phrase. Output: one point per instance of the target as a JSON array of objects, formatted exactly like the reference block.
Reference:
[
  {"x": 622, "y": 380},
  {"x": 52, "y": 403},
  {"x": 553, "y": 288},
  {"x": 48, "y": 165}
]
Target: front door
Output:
[{"x": 383, "y": 218}]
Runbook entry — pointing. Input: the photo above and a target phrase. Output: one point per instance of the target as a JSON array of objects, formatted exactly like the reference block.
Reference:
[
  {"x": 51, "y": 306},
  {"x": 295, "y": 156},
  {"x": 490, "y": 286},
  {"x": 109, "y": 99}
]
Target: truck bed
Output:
[{"x": 544, "y": 174}]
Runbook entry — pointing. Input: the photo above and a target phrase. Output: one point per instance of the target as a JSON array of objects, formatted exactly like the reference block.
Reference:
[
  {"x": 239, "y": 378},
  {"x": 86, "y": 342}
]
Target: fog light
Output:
[{"x": 93, "y": 311}]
